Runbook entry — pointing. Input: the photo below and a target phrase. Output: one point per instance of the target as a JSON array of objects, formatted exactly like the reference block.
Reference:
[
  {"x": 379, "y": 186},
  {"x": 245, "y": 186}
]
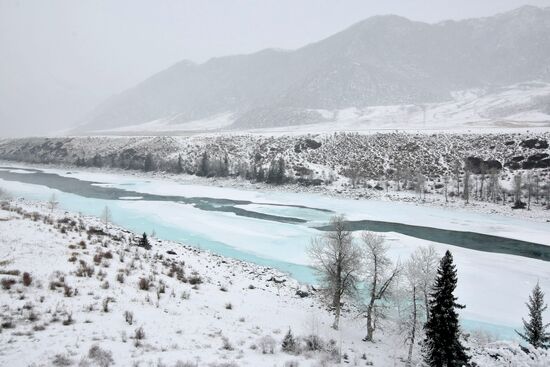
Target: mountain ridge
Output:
[{"x": 382, "y": 60}]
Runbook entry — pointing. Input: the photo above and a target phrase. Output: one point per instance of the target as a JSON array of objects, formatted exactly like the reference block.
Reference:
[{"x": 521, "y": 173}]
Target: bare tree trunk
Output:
[
  {"x": 370, "y": 307},
  {"x": 413, "y": 330},
  {"x": 336, "y": 305},
  {"x": 426, "y": 305}
]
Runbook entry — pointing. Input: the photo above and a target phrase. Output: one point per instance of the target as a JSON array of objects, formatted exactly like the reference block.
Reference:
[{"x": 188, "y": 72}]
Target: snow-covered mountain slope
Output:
[
  {"x": 524, "y": 105},
  {"x": 382, "y": 61}
]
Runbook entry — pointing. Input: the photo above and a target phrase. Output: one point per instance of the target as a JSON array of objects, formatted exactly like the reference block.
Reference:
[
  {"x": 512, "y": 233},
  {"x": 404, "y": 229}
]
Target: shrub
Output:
[
  {"x": 313, "y": 343},
  {"x": 27, "y": 279},
  {"x": 84, "y": 270},
  {"x": 32, "y": 316},
  {"x": 98, "y": 257},
  {"x": 7, "y": 324},
  {"x": 178, "y": 271},
  {"x": 101, "y": 357},
  {"x": 185, "y": 295},
  {"x": 15, "y": 273},
  {"x": 105, "y": 304},
  {"x": 139, "y": 335},
  {"x": 267, "y": 344},
  {"x": 67, "y": 291},
  {"x": 120, "y": 277},
  {"x": 108, "y": 255},
  {"x": 129, "y": 317},
  {"x": 226, "y": 344},
  {"x": 69, "y": 320},
  {"x": 144, "y": 284},
  {"x": 7, "y": 283},
  {"x": 292, "y": 364},
  {"x": 195, "y": 278},
  {"x": 61, "y": 360},
  {"x": 228, "y": 306}
]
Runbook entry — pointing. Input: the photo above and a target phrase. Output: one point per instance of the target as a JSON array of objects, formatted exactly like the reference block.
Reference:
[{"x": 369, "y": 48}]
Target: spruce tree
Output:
[
  {"x": 535, "y": 330},
  {"x": 289, "y": 343},
  {"x": 442, "y": 346},
  {"x": 144, "y": 242},
  {"x": 179, "y": 167}
]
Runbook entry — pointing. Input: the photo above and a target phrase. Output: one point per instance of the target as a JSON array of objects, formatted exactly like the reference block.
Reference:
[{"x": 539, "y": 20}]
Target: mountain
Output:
[{"x": 383, "y": 60}]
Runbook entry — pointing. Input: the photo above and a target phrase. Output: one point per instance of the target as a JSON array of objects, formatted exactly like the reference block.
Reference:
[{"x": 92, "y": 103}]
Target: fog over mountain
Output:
[{"x": 383, "y": 60}]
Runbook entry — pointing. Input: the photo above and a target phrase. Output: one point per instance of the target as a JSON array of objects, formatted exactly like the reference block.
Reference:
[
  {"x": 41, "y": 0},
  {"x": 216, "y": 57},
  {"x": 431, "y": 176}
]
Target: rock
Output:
[
  {"x": 302, "y": 293},
  {"x": 534, "y": 143},
  {"x": 306, "y": 144},
  {"x": 170, "y": 252},
  {"x": 537, "y": 156},
  {"x": 277, "y": 279},
  {"x": 477, "y": 165}
]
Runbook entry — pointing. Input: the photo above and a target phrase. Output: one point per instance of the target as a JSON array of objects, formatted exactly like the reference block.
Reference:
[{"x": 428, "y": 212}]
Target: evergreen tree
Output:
[
  {"x": 144, "y": 242},
  {"x": 534, "y": 330},
  {"x": 148, "y": 164},
  {"x": 203, "y": 165},
  {"x": 179, "y": 167},
  {"x": 442, "y": 346},
  {"x": 289, "y": 343}
]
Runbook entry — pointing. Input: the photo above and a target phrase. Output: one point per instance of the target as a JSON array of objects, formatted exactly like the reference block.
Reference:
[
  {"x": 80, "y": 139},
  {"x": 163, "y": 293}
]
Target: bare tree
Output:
[
  {"x": 493, "y": 185},
  {"x": 529, "y": 188},
  {"x": 106, "y": 216},
  {"x": 456, "y": 172},
  {"x": 517, "y": 185},
  {"x": 420, "y": 185},
  {"x": 446, "y": 188},
  {"x": 411, "y": 324},
  {"x": 380, "y": 275},
  {"x": 425, "y": 260},
  {"x": 52, "y": 202},
  {"x": 466, "y": 185},
  {"x": 337, "y": 260},
  {"x": 536, "y": 188}
]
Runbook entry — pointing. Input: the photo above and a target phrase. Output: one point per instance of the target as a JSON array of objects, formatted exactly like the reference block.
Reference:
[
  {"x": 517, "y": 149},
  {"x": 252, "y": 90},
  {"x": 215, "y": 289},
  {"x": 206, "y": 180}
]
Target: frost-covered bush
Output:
[
  {"x": 144, "y": 284},
  {"x": 313, "y": 343},
  {"x": 226, "y": 344},
  {"x": 267, "y": 344},
  {"x": 510, "y": 354},
  {"x": 101, "y": 357},
  {"x": 27, "y": 279},
  {"x": 61, "y": 360},
  {"x": 129, "y": 317}
]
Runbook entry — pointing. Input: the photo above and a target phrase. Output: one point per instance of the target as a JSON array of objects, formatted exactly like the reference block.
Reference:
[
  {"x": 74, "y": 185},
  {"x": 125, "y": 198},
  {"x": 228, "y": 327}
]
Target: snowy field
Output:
[{"x": 493, "y": 286}]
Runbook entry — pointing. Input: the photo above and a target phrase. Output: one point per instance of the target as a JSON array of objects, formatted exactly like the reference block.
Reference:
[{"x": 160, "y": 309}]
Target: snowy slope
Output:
[{"x": 62, "y": 313}]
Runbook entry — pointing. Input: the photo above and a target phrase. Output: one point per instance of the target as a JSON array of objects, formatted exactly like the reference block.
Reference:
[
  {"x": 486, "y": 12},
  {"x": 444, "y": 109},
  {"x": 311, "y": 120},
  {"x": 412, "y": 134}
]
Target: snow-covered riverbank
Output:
[{"x": 58, "y": 312}]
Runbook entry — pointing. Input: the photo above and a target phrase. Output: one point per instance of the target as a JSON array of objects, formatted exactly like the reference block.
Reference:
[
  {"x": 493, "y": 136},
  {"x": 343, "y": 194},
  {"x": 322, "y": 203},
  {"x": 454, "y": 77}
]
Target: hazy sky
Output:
[{"x": 60, "y": 58}]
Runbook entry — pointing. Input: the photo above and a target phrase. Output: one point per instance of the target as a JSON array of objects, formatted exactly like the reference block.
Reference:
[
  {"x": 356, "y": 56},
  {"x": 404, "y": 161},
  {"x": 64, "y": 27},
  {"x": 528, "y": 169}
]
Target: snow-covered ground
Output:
[{"x": 226, "y": 320}]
